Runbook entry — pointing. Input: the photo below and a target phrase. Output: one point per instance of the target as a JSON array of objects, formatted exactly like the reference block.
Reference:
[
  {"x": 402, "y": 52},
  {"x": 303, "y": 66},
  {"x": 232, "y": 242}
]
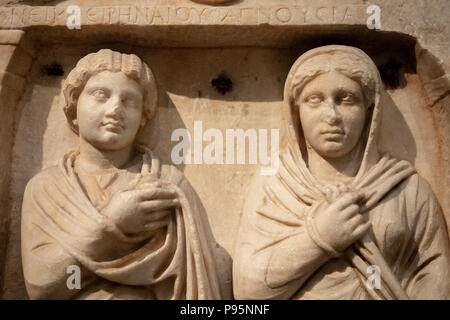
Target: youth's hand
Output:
[{"x": 133, "y": 211}]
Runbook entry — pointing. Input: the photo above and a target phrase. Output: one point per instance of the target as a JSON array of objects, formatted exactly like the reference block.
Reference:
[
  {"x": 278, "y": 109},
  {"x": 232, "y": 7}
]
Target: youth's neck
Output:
[
  {"x": 94, "y": 160},
  {"x": 342, "y": 169}
]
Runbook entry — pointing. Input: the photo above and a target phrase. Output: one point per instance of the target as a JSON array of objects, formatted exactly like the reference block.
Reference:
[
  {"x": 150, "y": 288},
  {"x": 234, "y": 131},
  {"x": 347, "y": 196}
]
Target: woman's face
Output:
[
  {"x": 109, "y": 111},
  {"x": 332, "y": 114}
]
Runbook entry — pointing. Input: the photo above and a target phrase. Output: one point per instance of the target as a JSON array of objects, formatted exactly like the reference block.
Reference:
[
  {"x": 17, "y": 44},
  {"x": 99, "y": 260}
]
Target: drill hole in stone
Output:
[
  {"x": 222, "y": 84},
  {"x": 53, "y": 69}
]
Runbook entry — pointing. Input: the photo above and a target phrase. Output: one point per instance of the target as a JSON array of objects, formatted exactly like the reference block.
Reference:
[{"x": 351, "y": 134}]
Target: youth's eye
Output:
[
  {"x": 314, "y": 99},
  {"x": 100, "y": 94},
  {"x": 130, "y": 101}
]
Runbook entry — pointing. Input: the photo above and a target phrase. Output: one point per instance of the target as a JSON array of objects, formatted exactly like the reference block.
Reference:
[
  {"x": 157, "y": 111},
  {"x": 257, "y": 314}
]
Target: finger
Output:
[
  {"x": 327, "y": 191},
  {"x": 331, "y": 193},
  {"x": 348, "y": 199},
  {"x": 335, "y": 192},
  {"x": 361, "y": 230},
  {"x": 356, "y": 221},
  {"x": 156, "y": 215},
  {"x": 350, "y": 211},
  {"x": 149, "y": 184},
  {"x": 343, "y": 188},
  {"x": 155, "y": 205},
  {"x": 152, "y": 226},
  {"x": 156, "y": 193}
]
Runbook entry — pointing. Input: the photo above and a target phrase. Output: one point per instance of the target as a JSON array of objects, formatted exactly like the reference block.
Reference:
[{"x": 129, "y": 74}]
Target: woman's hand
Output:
[{"x": 341, "y": 223}]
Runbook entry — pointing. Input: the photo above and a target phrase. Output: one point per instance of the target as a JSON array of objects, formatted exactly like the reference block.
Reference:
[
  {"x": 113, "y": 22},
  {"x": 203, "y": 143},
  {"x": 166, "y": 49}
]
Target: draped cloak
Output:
[
  {"x": 62, "y": 227},
  {"x": 277, "y": 256}
]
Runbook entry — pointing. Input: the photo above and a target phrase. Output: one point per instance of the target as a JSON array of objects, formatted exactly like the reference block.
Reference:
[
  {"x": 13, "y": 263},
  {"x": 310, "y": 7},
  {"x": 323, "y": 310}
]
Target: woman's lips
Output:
[
  {"x": 332, "y": 131},
  {"x": 332, "y": 134}
]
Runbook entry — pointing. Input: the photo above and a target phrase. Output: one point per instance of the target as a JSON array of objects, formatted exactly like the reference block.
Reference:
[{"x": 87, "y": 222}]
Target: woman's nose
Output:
[{"x": 330, "y": 114}]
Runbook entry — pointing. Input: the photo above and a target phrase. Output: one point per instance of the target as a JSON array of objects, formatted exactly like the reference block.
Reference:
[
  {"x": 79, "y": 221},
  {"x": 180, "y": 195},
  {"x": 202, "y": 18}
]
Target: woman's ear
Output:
[
  {"x": 143, "y": 122},
  {"x": 370, "y": 109}
]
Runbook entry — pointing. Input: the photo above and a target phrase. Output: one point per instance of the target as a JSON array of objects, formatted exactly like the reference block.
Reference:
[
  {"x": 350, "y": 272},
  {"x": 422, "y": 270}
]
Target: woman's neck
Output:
[
  {"x": 341, "y": 169},
  {"x": 93, "y": 160}
]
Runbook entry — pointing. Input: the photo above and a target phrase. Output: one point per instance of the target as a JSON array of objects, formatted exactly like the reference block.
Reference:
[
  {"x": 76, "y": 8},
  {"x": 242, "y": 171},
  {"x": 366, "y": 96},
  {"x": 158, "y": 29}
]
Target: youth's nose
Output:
[{"x": 115, "y": 109}]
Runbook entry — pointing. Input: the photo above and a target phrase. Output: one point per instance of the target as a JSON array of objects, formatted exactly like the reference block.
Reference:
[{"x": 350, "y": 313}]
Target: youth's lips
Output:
[{"x": 113, "y": 126}]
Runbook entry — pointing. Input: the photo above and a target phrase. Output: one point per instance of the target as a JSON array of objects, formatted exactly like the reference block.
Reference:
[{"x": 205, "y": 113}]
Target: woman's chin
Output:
[{"x": 333, "y": 150}]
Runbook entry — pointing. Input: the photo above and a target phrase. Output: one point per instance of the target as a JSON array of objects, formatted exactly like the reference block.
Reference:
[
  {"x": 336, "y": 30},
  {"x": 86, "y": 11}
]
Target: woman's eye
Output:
[
  {"x": 99, "y": 94},
  {"x": 132, "y": 103},
  {"x": 314, "y": 99},
  {"x": 348, "y": 98}
]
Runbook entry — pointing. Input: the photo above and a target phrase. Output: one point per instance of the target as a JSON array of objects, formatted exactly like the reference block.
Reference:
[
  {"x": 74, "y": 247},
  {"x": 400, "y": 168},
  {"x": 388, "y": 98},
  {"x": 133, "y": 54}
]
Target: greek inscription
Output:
[{"x": 283, "y": 15}]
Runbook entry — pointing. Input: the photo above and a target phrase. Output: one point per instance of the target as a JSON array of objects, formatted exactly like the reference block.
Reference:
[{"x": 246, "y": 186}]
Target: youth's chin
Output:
[{"x": 111, "y": 141}]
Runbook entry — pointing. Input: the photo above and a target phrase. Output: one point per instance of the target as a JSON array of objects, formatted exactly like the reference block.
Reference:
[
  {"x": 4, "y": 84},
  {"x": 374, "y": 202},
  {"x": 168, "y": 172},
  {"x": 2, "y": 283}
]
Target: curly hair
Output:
[
  {"x": 107, "y": 60},
  {"x": 350, "y": 65}
]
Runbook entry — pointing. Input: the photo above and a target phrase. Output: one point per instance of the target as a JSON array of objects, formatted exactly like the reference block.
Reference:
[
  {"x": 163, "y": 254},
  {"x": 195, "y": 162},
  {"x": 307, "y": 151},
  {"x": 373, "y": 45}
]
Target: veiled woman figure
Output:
[
  {"x": 338, "y": 213},
  {"x": 132, "y": 224}
]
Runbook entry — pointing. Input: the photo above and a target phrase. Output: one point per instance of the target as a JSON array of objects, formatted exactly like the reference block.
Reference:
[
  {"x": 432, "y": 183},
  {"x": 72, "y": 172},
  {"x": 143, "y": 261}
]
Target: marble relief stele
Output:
[
  {"x": 338, "y": 208},
  {"x": 129, "y": 222}
]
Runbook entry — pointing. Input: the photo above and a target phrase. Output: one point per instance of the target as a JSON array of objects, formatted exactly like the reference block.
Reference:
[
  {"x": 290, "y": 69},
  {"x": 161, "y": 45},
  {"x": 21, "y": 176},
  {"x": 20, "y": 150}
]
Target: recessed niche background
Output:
[{"x": 252, "y": 101}]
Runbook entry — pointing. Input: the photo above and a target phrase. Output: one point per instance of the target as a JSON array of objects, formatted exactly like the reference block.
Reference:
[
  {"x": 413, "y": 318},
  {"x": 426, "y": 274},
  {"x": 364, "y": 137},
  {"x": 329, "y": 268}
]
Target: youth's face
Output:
[
  {"x": 109, "y": 111},
  {"x": 332, "y": 114}
]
